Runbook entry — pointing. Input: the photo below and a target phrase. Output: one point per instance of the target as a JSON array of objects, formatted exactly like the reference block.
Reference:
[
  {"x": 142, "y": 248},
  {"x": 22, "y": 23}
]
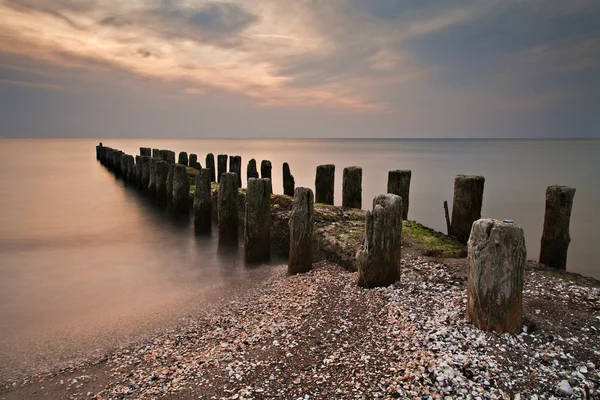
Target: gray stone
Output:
[
  {"x": 181, "y": 190},
  {"x": 228, "y": 207},
  {"x": 235, "y": 165},
  {"x": 399, "y": 183},
  {"x": 557, "y": 218},
  {"x": 145, "y": 163},
  {"x": 564, "y": 387},
  {"x": 352, "y": 187},
  {"x": 324, "y": 184},
  {"x": 257, "y": 226},
  {"x": 301, "y": 232},
  {"x": 221, "y": 166},
  {"x": 162, "y": 172},
  {"x": 466, "y": 206},
  {"x": 183, "y": 158},
  {"x": 251, "y": 171},
  {"x": 203, "y": 202},
  {"x": 288, "y": 181},
  {"x": 496, "y": 261},
  {"x": 152, "y": 178},
  {"x": 378, "y": 261},
  {"x": 210, "y": 164}
]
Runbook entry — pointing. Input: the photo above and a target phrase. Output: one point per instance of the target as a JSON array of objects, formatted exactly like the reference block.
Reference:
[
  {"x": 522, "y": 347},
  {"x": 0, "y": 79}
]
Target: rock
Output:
[
  {"x": 565, "y": 388},
  {"x": 145, "y": 163},
  {"x": 466, "y": 205},
  {"x": 288, "y": 181},
  {"x": 181, "y": 190},
  {"x": 152, "y": 176},
  {"x": 257, "y": 226},
  {"x": 221, "y": 166},
  {"x": 251, "y": 171},
  {"x": 557, "y": 218},
  {"x": 301, "y": 232},
  {"x": 496, "y": 261},
  {"x": 183, "y": 158},
  {"x": 228, "y": 207},
  {"x": 235, "y": 165},
  {"x": 210, "y": 164},
  {"x": 399, "y": 184},
  {"x": 378, "y": 261},
  {"x": 203, "y": 202},
  {"x": 352, "y": 187},
  {"x": 162, "y": 171},
  {"x": 324, "y": 184}
]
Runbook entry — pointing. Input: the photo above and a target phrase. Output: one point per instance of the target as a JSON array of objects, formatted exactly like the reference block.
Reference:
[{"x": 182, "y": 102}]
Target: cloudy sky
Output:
[{"x": 299, "y": 68}]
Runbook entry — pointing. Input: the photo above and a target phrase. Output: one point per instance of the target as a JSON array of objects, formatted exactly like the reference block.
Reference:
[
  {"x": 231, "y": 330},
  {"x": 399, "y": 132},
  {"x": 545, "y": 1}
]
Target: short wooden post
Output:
[
  {"x": 496, "y": 261},
  {"x": 352, "y": 187},
  {"x": 203, "y": 202},
  {"x": 325, "y": 184},
  {"x": 183, "y": 158},
  {"x": 145, "y": 163},
  {"x": 288, "y": 180},
  {"x": 251, "y": 171},
  {"x": 162, "y": 171},
  {"x": 301, "y": 232},
  {"x": 557, "y": 218},
  {"x": 235, "y": 165},
  {"x": 228, "y": 207},
  {"x": 194, "y": 162},
  {"x": 257, "y": 226},
  {"x": 221, "y": 166},
  {"x": 399, "y": 184},
  {"x": 379, "y": 259},
  {"x": 466, "y": 205}
]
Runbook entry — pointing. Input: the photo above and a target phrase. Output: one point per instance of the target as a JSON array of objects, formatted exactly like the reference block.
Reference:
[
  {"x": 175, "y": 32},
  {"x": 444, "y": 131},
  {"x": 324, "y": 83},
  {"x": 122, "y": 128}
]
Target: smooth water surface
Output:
[{"x": 85, "y": 262}]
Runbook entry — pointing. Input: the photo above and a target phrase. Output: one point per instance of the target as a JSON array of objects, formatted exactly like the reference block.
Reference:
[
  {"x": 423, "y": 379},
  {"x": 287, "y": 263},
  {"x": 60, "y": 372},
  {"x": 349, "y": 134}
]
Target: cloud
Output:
[{"x": 26, "y": 84}]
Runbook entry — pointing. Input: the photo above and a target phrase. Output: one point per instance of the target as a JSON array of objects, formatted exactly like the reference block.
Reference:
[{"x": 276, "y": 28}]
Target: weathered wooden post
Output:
[
  {"x": 130, "y": 170},
  {"x": 235, "y": 165},
  {"x": 181, "y": 190},
  {"x": 145, "y": 163},
  {"x": 378, "y": 261},
  {"x": 466, "y": 205},
  {"x": 116, "y": 162},
  {"x": 162, "y": 171},
  {"x": 496, "y": 261},
  {"x": 145, "y": 151},
  {"x": 203, "y": 202},
  {"x": 170, "y": 183},
  {"x": 257, "y": 227},
  {"x": 301, "y": 232},
  {"x": 557, "y": 218},
  {"x": 210, "y": 164},
  {"x": 183, "y": 158},
  {"x": 288, "y": 180},
  {"x": 265, "y": 169},
  {"x": 152, "y": 178},
  {"x": 352, "y": 187},
  {"x": 99, "y": 151},
  {"x": 324, "y": 184},
  {"x": 221, "y": 166},
  {"x": 228, "y": 207},
  {"x": 399, "y": 183},
  {"x": 138, "y": 171},
  {"x": 251, "y": 171},
  {"x": 123, "y": 166},
  {"x": 171, "y": 157},
  {"x": 155, "y": 153},
  {"x": 194, "y": 162}
]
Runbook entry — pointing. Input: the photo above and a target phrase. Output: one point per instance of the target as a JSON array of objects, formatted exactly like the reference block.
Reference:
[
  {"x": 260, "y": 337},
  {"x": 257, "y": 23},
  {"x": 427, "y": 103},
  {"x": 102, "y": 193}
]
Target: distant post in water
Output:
[
  {"x": 152, "y": 179},
  {"x": 210, "y": 164},
  {"x": 221, "y": 166},
  {"x": 138, "y": 171},
  {"x": 251, "y": 171},
  {"x": 162, "y": 170},
  {"x": 257, "y": 226},
  {"x": 265, "y": 171},
  {"x": 301, "y": 232},
  {"x": 324, "y": 184},
  {"x": 203, "y": 202},
  {"x": 170, "y": 183},
  {"x": 378, "y": 261},
  {"x": 183, "y": 158},
  {"x": 181, "y": 190},
  {"x": 194, "y": 162},
  {"x": 496, "y": 261},
  {"x": 145, "y": 151},
  {"x": 399, "y": 183},
  {"x": 235, "y": 165},
  {"x": 557, "y": 218},
  {"x": 145, "y": 163},
  {"x": 228, "y": 207},
  {"x": 466, "y": 206},
  {"x": 171, "y": 157},
  {"x": 352, "y": 187},
  {"x": 288, "y": 180},
  {"x": 155, "y": 153}
]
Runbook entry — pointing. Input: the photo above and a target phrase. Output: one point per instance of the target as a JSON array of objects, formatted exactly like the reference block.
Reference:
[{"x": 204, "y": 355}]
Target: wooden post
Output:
[
  {"x": 235, "y": 165},
  {"x": 221, "y": 166},
  {"x": 257, "y": 226},
  {"x": 399, "y": 183},
  {"x": 447, "y": 215},
  {"x": 210, "y": 164},
  {"x": 325, "y": 184},
  {"x": 203, "y": 202},
  {"x": 288, "y": 181},
  {"x": 181, "y": 190},
  {"x": 352, "y": 187},
  {"x": 251, "y": 171},
  {"x": 466, "y": 205},
  {"x": 183, "y": 158},
  {"x": 496, "y": 261},
  {"x": 301, "y": 232},
  {"x": 557, "y": 218},
  {"x": 379, "y": 259},
  {"x": 228, "y": 207}
]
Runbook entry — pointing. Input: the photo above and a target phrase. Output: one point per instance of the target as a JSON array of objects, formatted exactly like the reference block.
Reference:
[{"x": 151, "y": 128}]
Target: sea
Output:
[{"x": 87, "y": 264}]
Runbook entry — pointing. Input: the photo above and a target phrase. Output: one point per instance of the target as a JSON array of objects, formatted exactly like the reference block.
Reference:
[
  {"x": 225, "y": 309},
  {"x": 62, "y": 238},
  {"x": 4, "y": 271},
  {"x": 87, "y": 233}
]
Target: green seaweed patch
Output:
[
  {"x": 435, "y": 244},
  {"x": 328, "y": 213}
]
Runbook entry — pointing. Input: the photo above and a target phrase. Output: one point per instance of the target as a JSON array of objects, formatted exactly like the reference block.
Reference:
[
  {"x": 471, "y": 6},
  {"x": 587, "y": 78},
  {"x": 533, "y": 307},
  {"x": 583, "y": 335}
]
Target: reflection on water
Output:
[{"x": 87, "y": 262}]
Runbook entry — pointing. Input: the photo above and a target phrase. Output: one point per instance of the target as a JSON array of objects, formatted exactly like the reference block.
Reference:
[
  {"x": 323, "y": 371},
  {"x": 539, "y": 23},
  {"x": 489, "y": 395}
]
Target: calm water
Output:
[{"x": 86, "y": 263}]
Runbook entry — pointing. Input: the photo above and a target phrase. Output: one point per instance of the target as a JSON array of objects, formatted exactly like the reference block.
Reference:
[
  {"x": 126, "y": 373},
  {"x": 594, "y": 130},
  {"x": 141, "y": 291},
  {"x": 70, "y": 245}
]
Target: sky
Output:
[{"x": 300, "y": 68}]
